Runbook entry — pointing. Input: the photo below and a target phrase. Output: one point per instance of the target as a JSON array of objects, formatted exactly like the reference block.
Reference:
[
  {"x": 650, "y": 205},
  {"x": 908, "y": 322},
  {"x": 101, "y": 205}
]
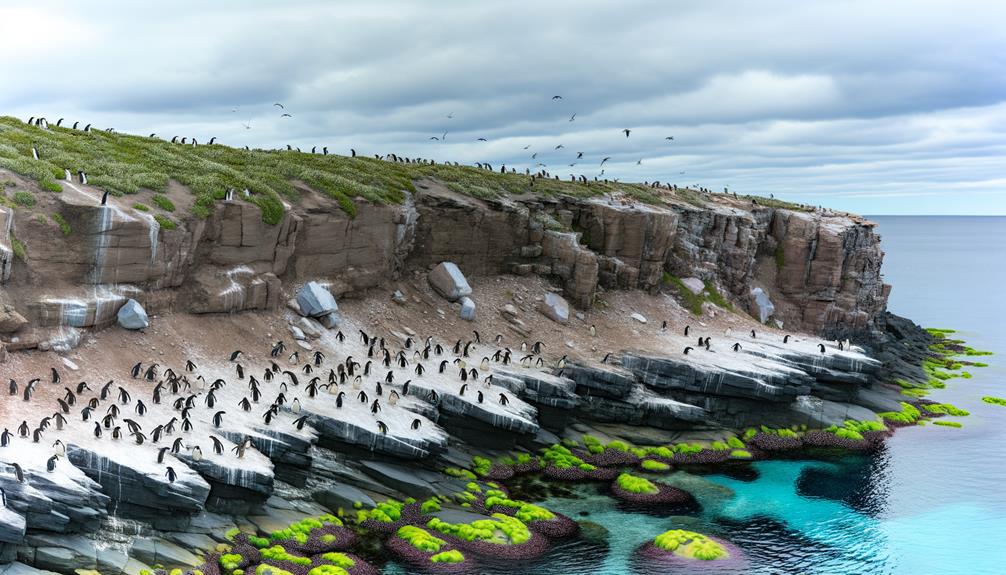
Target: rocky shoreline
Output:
[{"x": 338, "y": 485}]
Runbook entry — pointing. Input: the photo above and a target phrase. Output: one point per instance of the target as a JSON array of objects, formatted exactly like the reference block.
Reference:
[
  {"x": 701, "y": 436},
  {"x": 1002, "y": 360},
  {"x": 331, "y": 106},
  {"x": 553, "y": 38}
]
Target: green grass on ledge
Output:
[{"x": 126, "y": 164}]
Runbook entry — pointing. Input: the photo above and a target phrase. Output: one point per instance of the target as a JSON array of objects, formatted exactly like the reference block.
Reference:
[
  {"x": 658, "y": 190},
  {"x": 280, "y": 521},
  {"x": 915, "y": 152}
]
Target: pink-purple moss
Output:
[{"x": 419, "y": 558}]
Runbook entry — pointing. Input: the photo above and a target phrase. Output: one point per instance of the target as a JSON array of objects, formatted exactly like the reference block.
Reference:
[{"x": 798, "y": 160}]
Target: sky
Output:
[{"x": 876, "y": 107}]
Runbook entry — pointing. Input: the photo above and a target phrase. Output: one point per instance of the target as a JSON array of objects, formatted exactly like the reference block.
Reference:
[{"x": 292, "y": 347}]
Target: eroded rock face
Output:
[{"x": 822, "y": 270}]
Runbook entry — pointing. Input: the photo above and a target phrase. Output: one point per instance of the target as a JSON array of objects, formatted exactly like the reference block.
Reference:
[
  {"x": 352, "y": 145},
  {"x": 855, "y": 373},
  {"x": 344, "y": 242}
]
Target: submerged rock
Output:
[{"x": 132, "y": 316}]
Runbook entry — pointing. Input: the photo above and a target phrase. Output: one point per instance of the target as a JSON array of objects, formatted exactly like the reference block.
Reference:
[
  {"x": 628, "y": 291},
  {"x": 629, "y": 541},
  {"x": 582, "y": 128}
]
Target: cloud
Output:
[{"x": 856, "y": 104}]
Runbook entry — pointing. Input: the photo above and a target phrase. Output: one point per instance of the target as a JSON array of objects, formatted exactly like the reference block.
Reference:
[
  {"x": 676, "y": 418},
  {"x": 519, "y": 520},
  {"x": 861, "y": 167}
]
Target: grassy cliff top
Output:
[{"x": 125, "y": 164}]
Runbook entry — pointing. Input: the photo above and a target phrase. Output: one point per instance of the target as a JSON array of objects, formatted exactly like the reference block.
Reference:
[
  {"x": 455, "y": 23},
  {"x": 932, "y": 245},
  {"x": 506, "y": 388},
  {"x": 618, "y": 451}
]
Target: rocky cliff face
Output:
[{"x": 821, "y": 271}]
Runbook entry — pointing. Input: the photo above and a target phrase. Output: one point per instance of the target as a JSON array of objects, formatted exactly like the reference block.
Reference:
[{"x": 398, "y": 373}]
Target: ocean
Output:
[{"x": 932, "y": 501}]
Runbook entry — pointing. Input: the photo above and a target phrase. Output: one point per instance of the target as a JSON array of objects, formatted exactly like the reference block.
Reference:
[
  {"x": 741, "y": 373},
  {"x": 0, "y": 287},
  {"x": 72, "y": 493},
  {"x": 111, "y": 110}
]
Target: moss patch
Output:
[{"x": 690, "y": 544}]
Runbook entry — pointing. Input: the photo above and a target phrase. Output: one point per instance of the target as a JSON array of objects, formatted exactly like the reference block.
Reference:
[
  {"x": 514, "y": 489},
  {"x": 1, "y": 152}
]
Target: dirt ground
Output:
[{"x": 172, "y": 339}]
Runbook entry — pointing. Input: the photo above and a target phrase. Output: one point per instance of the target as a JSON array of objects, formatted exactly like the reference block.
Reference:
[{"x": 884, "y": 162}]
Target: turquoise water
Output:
[{"x": 932, "y": 501}]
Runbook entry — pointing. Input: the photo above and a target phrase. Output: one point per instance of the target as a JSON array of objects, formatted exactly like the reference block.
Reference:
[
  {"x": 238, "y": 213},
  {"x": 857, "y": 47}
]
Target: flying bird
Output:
[
  {"x": 285, "y": 116},
  {"x": 556, "y": 97},
  {"x": 281, "y": 107},
  {"x": 605, "y": 160},
  {"x": 573, "y": 117},
  {"x": 626, "y": 131}
]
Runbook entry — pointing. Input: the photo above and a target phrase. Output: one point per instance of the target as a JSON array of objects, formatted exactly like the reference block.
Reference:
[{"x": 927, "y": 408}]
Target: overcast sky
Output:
[{"x": 872, "y": 106}]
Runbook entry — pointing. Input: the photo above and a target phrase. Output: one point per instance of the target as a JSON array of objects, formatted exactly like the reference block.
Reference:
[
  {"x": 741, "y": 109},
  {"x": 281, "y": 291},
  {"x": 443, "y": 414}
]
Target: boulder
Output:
[
  {"x": 11, "y": 320},
  {"x": 694, "y": 285},
  {"x": 132, "y": 315},
  {"x": 554, "y": 307},
  {"x": 296, "y": 332},
  {"x": 638, "y": 317},
  {"x": 467, "y": 309},
  {"x": 449, "y": 282},
  {"x": 311, "y": 328},
  {"x": 762, "y": 304},
  {"x": 315, "y": 300}
]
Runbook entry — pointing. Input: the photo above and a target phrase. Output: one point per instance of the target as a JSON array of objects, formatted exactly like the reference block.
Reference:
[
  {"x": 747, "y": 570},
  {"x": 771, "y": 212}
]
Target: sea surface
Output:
[{"x": 932, "y": 502}]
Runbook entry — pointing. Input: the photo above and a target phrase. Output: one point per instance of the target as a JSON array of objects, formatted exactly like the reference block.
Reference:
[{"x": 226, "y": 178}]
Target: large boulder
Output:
[
  {"x": 315, "y": 300},
  {"x": 762, "y": 304},
  {"x": 132, "y": 315},
  {"x": 449, "y": 282},
  {"x": 554, "y": 307}
]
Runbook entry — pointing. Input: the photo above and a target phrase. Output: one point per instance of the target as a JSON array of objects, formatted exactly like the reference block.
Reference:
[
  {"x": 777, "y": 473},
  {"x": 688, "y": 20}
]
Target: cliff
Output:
[{"x": 68, "y": 261}]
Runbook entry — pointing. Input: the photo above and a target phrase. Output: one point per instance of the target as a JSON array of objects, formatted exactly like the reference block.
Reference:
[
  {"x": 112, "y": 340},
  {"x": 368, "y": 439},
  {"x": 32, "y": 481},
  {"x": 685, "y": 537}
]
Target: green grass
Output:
[
  {"x": 141, "y": 207},
  {"x": 163, "y": 202},
  {"x": 20, "y": 250},
  {"x": 690, "y": 301},
  {"x": 780, "y": 256},
  {"x": 24, "y": 198},
  {"x": 994, "y": 400},
  {"x": 165, "y": 222},
  {"x": 127, "y": 164},
  {"x": 948, "y": 423},
  {"x": 64, "y": 227}
]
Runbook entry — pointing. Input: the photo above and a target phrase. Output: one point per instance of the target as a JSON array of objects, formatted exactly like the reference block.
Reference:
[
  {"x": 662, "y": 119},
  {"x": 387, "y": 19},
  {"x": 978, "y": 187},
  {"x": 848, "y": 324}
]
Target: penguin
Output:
[
  {"x": 785, "y": 338},
  {"x": 687, "y": 327},
  {"x": 375, "y": 407},
  {"x": 218, "y": 418},
  {"x": 821, "y": 347},
  {"x": 218, "y": 446},
  {"x": 197, "y": 453},
  {"x": 244, "y": 404},
  {"x": 382, "y": 427},
  {"x": 418, "y": 371},
  {"x": 34, "y": 152},
  {"x": 736, "y": 346},
  {"x": 393, "y": 397},
  {"x": 170, "y": 474},
  {"x": 235, "y": 354},
  {"x": 753, "y": 334},
  {"x": 663, "y": 326},
  {"x": 82, "y": 177},
  {"x": 176, "y": 446},
  {"x": 480, "y": 397},
  {"x": 189, "y": 366},
  {"x": 82, "y": 387},
  {"x": 104, "y": 199},
  {"x": 338, "y": 399},
  {"x": 5, "y": 437},
  {"x": 50, "y": 465},
  {"x": 13, "y": 387},
  {"x": 300, "y": 421},
  {"x": 55, "y": 375},
  {"x": 295, "y": 405},
  {"x": 464, "y": 387},
  {"x": 416, "y": 424},
  {"x": 536, "y": 348},
  {"x": 23, "y": 429},
  {"x": 97, "y": 430},
  {"x": 688, "y": 349},
  {"x": 504, "y": 400},
  {"x": 593, "y": 331},
  {"x": 135, "y": 371}
]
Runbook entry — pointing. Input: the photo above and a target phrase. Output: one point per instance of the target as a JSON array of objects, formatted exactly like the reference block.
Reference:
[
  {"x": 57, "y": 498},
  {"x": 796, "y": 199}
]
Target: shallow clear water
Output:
[{"x": 933, "y": 501}]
